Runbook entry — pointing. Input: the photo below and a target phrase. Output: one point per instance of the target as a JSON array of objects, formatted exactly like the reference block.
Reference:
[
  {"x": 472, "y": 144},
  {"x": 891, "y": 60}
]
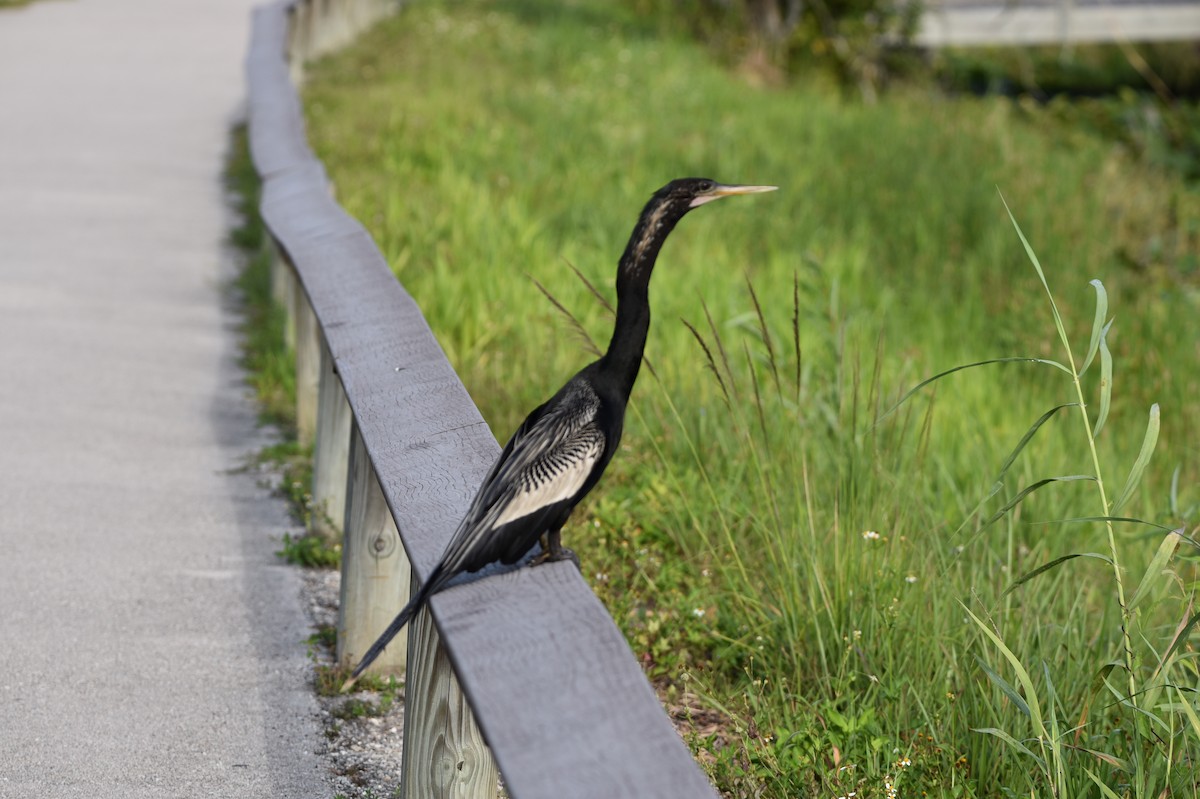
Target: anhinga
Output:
[{"x": 559, "y": 452}]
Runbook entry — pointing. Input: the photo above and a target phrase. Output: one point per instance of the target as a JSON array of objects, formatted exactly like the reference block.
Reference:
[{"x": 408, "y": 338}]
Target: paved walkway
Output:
[{"x": 150, "y": 644}]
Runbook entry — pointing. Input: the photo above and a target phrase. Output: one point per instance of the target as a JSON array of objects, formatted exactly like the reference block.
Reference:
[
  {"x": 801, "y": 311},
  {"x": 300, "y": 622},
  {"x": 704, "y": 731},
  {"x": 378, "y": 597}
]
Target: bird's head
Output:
[
  {"x": 688, "y": 193},
  {"x": 666, "y": 207}
]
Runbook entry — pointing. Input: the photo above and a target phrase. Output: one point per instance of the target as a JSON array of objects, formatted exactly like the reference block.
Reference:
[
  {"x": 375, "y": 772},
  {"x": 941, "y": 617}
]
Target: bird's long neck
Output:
[{"x": 624, "y": 356}]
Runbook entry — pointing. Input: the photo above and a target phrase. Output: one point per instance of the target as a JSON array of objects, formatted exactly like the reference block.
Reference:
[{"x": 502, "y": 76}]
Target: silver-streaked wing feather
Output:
[{"x": 548, "y": 460}]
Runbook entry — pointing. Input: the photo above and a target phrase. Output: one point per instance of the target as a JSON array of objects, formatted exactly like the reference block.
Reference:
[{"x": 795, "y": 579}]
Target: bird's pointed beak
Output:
[{"x": 729, "y": 190}]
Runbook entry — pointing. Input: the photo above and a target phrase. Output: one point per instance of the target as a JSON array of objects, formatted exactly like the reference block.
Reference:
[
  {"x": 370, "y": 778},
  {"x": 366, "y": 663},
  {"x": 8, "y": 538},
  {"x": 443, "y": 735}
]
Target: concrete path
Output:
[{"x": 150, "y": 643}]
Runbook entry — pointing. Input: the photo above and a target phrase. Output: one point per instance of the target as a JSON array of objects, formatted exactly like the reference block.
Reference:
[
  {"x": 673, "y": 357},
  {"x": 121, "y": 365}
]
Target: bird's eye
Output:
[{"x": 707, "y": 185}]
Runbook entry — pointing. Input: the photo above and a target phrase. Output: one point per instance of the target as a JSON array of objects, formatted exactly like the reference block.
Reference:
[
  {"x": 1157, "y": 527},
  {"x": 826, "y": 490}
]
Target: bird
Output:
[{"x": 559, "y": 452}]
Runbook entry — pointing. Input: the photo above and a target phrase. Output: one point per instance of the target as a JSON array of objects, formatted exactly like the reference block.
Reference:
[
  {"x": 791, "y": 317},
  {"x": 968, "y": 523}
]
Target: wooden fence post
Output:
[
  {"x": 299, "y": 40},
  {"x": 376, "y": 574},
  {"x": 283, "y": 287},
  {"x": 331, "y": 455},
  {"x": 444, "y": 754},
  {"x": 308, "y": 365}
]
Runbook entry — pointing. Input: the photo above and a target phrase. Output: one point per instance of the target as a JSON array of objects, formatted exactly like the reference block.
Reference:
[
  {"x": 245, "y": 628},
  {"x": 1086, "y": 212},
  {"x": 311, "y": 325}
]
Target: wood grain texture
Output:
[
  {"x": 376, "y": 576},
  {"x": 559, "y": 695},
  {"x": 554, "y": 687},
  {"x": 445, "y": 756},
  {"x": 331, "y": 455}
]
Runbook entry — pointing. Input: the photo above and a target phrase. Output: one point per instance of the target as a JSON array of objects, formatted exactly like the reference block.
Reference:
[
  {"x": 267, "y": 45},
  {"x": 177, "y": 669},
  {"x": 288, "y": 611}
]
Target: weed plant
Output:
[{"x": 797, "y": 568}]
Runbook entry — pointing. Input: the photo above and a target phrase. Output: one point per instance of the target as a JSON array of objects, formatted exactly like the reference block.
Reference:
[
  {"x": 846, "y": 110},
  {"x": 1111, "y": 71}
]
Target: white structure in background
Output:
[{"x": 988, "y": 22}]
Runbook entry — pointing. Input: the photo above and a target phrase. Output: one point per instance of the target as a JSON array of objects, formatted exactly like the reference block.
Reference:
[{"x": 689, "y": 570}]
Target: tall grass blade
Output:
[
  {"x": 1126, "y": 519},
  {"x": 1035, "y": 710},
  {"x": 1097, "y": 685},
  {"x": 1029, "y": 489},
  {"x": 1058, "y": 322},
  {"x": 1182, "y": 634},
  {"x": 1154, "y": 571},
  {"x": 1143, "y": 458},
  {"x": 796, "y": 331},
  {"x": 1011, "y": 741},
  {"x": 708, "y": 357},
  {"x": 576, "y": 325},
  {"x": 592, "y": 288},
  {"x": 940, "y": 375},
  {"x": 1025, "y": 439},
  {"x": 1045, "y": 567},
  {"x": 758, "y": 402},
  {"x": 1173, "y": 496},
  {"x": 1185, "y": 704},
  {"x": 1056, "y": 753},
  {"x": 1105, "y": 757},
  {"x": 1104, "y": 789},
  {"x": 766, "y": 336},
  {"x": 1106, "y": 382},
  {"x": 716, "y": 334},
  {"x": 1005, "y": 686},
  {"x": 1098, "y": 326}
]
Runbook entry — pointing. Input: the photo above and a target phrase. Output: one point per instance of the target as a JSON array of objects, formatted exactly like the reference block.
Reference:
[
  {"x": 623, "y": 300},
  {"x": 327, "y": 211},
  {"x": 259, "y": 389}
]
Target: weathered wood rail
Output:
[{"x": 547, "y": 680}]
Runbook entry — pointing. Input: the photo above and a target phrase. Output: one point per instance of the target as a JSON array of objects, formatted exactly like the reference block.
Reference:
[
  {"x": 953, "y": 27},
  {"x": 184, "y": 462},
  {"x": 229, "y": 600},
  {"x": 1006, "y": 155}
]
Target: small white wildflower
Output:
[
  {"x": 698, "y": 612},
  {"x": 905, "y": 762},
  {"x": 870, "y": 535},
  {"x": 601, "y": 577},
  {"x": 910, "y": 579}
]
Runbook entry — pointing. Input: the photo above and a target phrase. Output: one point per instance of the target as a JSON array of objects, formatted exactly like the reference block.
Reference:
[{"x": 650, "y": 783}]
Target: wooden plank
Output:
[
  {"x": 444, "y": 752},
  {"x": 558, "y": 693},
  {"x": 277, "y": 139},
  {"x": 376, "y": 576}
]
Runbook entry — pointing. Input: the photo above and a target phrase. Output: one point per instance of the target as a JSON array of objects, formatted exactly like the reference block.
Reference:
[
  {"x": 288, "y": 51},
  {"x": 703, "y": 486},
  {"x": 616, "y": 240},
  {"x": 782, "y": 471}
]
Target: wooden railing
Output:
[{"x": 522, "y": 670}]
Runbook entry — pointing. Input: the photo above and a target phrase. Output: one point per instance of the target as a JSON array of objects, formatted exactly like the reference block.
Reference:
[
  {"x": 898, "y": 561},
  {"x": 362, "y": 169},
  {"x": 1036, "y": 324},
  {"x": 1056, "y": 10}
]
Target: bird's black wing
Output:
[{"x": 547, "y": 462}]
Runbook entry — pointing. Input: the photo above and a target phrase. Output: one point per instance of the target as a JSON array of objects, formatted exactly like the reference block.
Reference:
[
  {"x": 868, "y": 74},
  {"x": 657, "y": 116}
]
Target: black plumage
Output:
[{"x": 559, "y": 452}]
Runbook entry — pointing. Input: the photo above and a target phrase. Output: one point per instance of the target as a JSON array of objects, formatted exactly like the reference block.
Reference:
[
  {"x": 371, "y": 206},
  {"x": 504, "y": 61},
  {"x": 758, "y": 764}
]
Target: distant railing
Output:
[
  {"x": 550, "y": 691},
  {"x": 967, "y": 23}
]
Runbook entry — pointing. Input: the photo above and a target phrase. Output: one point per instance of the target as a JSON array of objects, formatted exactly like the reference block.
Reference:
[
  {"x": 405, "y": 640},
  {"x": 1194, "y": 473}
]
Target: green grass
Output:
[{"x": 488, "y": 145}]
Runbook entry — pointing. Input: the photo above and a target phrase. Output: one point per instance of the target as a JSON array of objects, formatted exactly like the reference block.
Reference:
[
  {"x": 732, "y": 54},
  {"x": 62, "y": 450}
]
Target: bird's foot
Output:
[{"x": 560, "y": 553}]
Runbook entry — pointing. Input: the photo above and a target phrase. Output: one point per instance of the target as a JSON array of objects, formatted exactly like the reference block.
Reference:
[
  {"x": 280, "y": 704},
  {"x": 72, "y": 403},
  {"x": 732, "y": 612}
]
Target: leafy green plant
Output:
[{"x": 1160, "y": 740}]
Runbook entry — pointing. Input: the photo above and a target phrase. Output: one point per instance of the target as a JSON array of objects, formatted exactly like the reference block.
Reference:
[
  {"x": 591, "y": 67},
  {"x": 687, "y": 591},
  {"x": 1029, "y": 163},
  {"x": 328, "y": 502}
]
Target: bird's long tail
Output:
[{"x": 402, "y": 618}]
